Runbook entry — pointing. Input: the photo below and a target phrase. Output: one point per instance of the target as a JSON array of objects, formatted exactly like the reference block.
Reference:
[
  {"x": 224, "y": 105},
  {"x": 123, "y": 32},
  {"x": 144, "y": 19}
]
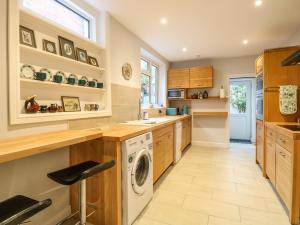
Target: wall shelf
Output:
[
  {"x": 34, "y": 52},
  {"x": 34, "y": 83},
  {"x": 216, "y": 98},
  {"x": 217, "y": 114}
]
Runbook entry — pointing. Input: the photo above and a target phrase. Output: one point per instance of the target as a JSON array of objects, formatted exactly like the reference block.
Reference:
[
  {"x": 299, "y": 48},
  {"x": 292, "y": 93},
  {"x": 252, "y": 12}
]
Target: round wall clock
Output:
[{"x": 127, "y": 71}]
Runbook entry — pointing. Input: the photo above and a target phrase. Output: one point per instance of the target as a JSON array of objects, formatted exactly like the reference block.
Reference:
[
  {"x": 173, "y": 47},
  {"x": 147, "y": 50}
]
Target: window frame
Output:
[
  {"x": 148, "y": 73},
  {"x": 76, "y": 9}
]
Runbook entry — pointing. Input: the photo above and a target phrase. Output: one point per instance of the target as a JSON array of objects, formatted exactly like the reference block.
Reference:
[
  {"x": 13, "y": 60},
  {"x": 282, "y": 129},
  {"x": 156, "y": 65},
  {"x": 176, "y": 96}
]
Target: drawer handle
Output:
[
  {"x": 282, "y": 154},
  {"x": 282, "y": 140}
]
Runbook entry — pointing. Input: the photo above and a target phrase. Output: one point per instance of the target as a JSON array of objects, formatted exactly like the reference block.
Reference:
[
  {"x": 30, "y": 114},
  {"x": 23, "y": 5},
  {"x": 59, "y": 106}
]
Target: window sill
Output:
[{"x": 153, "y": 107}]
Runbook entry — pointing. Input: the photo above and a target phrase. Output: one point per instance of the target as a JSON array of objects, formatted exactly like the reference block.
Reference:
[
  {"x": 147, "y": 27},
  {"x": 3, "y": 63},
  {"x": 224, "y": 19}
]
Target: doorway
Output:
[{"x": 242, "y": 109}]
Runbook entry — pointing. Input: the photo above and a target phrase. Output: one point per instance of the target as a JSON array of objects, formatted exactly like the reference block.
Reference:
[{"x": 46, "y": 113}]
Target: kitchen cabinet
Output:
[
  {"x": 259, "y": 143},
  {"x": 259, "y": 65},
  {"x": 179, "y": 78},
  {"x": 186, "y": 133},
  {"x": 163, "y": 150},
  {"x": 270, "y": 154},
  {"x": 201, "y": 77}
]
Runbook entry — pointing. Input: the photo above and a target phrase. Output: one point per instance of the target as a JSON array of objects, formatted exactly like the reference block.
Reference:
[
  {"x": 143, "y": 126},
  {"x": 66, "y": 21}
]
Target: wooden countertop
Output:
[
  {"x": 16, "y": 148},
  {"x": 123, "y": 132},
  {"x": 284, "y": 131}
]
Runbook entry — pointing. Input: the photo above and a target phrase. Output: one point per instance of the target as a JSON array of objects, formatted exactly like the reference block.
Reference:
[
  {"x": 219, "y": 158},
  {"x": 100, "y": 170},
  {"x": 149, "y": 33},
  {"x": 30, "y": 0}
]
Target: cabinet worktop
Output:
[
  {"x": 289, "y": 133},
  {"x": 121, "y": 132}
]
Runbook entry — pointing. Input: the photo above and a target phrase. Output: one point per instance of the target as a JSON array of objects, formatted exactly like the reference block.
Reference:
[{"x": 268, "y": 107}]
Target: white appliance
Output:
[
  {"x": 137, "y": 176},
  {"x": 176, "y": 94},
  {"x": 178, "y": 138}
]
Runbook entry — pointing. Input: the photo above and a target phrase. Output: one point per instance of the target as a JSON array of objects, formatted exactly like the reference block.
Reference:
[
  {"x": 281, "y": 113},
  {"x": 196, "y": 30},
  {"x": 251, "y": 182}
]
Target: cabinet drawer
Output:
[
  {"x": 270, "y": 143},
  {"x": 284, "y": 142},
  {"x": 271, "y": 133},
  {"x": 161, "y": 131},
  {"x": 284, "y": 175}
]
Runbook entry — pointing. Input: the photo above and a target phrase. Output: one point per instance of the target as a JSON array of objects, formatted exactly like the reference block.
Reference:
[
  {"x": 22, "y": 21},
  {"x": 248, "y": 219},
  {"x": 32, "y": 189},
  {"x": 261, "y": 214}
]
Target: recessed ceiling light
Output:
[
  {"x": 245, "y": 42},
  {"x": 184, "y": 49},
  {"x": 163, "y": 21},
  {"x": 258, "y": 3}
]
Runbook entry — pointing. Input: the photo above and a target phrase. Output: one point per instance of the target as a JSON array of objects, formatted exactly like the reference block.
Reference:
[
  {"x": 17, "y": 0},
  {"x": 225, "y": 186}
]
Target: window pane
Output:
[
  {"x": 238, "y": 96},
  {"x": 145, "y": 89},
  {"x": 60, "y": 14},
  {"x": 144, "y": 65},
  {"x": 154, "y": 72}
]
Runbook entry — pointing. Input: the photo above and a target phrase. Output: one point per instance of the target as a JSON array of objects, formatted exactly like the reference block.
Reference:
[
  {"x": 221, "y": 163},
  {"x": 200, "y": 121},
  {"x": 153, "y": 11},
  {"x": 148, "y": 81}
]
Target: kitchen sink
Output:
[{"x": 148, "y": 122}]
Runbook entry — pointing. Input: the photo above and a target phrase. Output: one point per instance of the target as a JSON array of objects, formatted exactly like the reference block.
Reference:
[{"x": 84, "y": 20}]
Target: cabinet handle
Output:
[
  {"x": 158, "y": 142},
  {"x": 282, "y": 140},
  {"x": 282, "y": 154}
]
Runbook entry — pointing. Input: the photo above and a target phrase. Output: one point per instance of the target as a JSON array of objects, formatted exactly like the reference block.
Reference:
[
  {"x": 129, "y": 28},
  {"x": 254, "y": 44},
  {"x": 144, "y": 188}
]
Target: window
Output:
[
  {"x": 149, "y": 82},
  {"x": 238, "y": 96},
  {"x": 64, "y": 13}
]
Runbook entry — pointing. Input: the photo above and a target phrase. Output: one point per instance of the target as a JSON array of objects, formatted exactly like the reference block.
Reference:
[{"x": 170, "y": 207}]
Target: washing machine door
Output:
[{"x": 140, "y": 172}]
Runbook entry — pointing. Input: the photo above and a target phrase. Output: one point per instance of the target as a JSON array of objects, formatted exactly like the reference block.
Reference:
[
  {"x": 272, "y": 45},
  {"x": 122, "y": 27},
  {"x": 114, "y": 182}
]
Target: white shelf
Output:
[
  {"x": 47, "y": 84},
  {"x": 58, "y": 59},
  {"x": 40, "y": 23},
  {"x": 59, "y": 116}
]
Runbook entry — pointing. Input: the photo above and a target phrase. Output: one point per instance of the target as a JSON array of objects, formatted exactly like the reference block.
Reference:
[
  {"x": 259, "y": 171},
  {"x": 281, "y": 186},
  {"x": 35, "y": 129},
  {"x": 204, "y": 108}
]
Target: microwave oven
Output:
[{"x": 176, "y": 94}]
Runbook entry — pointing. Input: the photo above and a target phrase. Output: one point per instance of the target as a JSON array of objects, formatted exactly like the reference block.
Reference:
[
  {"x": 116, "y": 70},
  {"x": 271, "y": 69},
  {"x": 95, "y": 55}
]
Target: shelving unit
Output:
[
  {"x": 217, "y": 114},
  {"x": 50, "y": 92}
]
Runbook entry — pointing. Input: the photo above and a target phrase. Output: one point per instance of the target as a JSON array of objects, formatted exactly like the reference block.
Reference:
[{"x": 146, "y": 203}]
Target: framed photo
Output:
[
  {"x": 93, "y": 61},
  {"x": 27, "y": 37},
  {"x": 81, "y": 55},
  {"x": 66, "y": 48},
  {"x": 71, "y": 104},
  {"x": 49, "y": 46}
]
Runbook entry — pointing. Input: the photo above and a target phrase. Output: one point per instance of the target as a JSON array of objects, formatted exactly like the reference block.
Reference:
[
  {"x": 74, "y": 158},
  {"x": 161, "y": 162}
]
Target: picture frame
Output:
[
  {"x": 49, "y": 46},
  {"x": 93, "y": 61},
  {"x": 27, "y": 36},
  {"x": 66, "y": 48},
  {"x": 71, "y": 104},
  {"x": 81, "y": 55}
]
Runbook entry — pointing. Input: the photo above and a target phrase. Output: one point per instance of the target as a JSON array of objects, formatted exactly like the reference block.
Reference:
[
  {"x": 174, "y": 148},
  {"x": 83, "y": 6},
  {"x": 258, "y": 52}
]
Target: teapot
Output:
[{"x": 31, "y": 106}]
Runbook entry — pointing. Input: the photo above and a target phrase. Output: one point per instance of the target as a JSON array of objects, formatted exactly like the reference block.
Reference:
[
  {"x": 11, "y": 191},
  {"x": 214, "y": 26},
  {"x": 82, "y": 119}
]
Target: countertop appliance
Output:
[
  {"x": 137, "y": 176},
  {"x": 292, "y": 60},
  {"x": 178, "y": 137},
  {"x": 171, "y": 111},
  {"x": 176, "y": 94},
  {"x": 259, "y": 97}
]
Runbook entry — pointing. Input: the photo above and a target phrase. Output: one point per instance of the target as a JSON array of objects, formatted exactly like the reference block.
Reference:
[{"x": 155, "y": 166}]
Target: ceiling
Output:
[{"x": 209, "y": 28}]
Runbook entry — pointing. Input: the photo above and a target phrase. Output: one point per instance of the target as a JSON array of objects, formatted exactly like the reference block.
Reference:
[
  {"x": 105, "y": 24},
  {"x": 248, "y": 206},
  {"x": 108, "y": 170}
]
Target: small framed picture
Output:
[
  {"x": 71, "y": 104},
  {"x": 27, "y": 37},
  {"x": 66, "y": 48},
  {"x": 81, "y": 55},
  {"x": 49, "y": 46},
  {"x": 93, "y": 61}
]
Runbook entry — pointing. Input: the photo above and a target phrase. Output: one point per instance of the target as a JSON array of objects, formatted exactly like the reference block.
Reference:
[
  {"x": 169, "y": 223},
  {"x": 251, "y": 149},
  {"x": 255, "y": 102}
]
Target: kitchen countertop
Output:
[
  {"x": 123, "y": 132},
  {"x": 284, "y": 131},
  {"x": 16, "y": 148}
]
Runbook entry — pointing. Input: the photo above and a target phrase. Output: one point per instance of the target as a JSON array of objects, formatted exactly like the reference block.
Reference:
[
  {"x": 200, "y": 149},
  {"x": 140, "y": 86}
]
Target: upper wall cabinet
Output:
[
  {"x": 259, "y": 65},
  {"x": 179, "y": 78},
  {"x": 201, "y": 77}
]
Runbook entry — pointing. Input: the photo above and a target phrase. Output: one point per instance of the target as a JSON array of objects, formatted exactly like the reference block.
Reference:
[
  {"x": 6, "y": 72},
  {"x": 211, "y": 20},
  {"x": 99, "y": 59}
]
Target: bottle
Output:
[
  {"x": 205, "y": 94},
  {"x": 222, "y": 92}
]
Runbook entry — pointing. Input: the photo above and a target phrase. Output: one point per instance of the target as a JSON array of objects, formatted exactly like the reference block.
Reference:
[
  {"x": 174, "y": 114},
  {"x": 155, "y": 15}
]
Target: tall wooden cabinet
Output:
[
  {"x": 259, "y": 143},
  {"x": 186, "y": 133}
]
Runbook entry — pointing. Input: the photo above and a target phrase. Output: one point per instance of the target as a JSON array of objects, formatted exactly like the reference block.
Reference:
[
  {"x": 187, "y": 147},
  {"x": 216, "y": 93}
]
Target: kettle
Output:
[{"x": 185, "y": 110}]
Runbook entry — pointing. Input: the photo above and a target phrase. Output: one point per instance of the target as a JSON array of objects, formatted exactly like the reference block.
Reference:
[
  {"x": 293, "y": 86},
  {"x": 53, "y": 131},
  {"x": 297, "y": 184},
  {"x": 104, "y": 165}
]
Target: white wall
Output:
[
  {"x": 294, "y": 39},
  {"x": 215, "y": 131}
]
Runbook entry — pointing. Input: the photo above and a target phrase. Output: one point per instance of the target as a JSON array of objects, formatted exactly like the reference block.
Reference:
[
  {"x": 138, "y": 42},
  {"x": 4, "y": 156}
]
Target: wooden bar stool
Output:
[
  {"x": 79, "y": 173},
  {"x": 17, "y": 209}
]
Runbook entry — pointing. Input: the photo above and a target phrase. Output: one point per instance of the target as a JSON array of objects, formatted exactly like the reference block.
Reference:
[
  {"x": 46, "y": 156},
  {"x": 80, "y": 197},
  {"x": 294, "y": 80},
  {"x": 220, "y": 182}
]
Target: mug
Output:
[
  {"x": 82, "y": 82},
  {"x": 92, "y": 83},
  {"x": 40, "y": 76},
  {"x": 43, "y": 108},
  {"x": 53, "y": 108},
  {"x": 57, "y": 78},
  {"x": 71, "y": 80},
  {"x": 99, "y": 85}
]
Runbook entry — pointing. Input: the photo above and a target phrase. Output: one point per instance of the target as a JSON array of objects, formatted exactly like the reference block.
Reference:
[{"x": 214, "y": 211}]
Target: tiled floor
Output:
[{"x": 212, "y": 186}]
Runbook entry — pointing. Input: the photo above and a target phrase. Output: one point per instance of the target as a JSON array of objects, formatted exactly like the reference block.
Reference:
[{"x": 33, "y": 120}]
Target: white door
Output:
[{"x": 240, "y": 109}]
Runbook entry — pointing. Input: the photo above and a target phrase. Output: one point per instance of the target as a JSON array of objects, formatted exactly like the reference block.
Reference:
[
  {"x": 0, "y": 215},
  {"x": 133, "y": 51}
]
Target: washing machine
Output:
[{"x": 137, "y": 176}]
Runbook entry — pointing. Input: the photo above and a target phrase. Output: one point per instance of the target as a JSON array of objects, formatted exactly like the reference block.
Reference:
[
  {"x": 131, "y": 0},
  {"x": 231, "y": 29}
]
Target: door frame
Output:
[{"x": 251, "y": 77}]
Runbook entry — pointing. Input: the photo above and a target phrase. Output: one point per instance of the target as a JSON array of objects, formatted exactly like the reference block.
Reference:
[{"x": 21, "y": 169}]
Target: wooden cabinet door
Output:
[
  {"x": 169, "y": 149},
  {"x": 184, "y": 134},
  {"x": 188, "y": 131},
  {"x": 179, "y": 78},
  {"x": 259, "y": 65},
  {"x": 201, "y": 77},
  {"x": 270, "y": 154},
  {"x": 284, "y": 175},
  {"x": 158, "y": 157},
  {"x": 259, "y": 142}
]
